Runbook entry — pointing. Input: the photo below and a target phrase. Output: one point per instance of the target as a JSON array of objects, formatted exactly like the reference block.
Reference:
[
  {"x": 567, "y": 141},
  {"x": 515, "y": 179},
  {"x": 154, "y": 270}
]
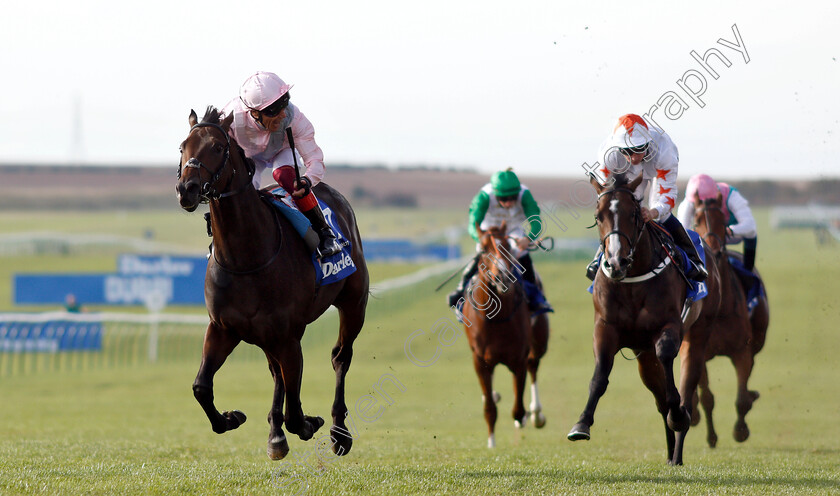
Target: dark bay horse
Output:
[
  {"x": 638, "y": 296},
  {"x": 261, "y": 286},
  {"x": 738, "y": 334},
  {"x": 500, "y": 330}
]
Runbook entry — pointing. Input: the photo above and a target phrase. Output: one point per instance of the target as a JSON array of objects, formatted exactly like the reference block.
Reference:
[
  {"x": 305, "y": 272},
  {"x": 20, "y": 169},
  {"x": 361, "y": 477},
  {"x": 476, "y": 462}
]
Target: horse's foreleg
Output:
[
  {"x": 605, "y": 346},
  {"x": 667, "y": 347},
  {"x": 342, "y": 354},
  {"x": 278, "y": 446},
  {"x": 218, "y": 345},
  {"x": 707, "y": 400},
  {"x": 485, "y": 379},
  {"x": 743, "y": 363},
  {"x": 291, "y": 363}
]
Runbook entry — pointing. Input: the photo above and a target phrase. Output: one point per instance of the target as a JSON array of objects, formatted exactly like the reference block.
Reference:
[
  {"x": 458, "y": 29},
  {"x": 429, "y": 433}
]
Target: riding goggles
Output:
[{"x": 278, "y": 106}]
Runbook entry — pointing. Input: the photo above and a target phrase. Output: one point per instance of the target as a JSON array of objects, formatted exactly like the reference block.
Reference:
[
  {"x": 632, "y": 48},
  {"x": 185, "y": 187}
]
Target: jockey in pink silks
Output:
[
  {"x": 736, "y": 210},
  {"x": 633, "y": 148},
  {"x": 261, "y": 114}
]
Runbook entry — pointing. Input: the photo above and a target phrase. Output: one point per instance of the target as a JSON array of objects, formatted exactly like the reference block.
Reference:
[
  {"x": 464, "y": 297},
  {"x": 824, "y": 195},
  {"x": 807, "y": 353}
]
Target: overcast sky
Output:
[{"x": 487, "y": 84}]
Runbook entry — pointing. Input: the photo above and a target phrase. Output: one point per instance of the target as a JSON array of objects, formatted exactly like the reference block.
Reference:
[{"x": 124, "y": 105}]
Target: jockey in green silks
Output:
[{"x": 505, "y": 199}]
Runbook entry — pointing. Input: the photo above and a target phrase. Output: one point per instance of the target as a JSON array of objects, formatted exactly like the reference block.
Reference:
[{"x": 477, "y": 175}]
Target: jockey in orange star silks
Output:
[{"x": 635, "y": 148}]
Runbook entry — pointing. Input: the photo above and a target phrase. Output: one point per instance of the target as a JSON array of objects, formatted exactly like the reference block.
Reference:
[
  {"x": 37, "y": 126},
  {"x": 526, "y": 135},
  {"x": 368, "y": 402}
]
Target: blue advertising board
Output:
[
  {"x": 50, "y": 337},
  {"x": 176, "y": 279}
]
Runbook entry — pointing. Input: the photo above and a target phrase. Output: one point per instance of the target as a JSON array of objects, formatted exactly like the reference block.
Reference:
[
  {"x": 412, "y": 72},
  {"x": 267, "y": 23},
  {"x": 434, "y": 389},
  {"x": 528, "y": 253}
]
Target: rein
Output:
[
  {"x": 636, "y": 217},
  {"x": 209, "y": 193},
  {"x": 710, "y": 232}
]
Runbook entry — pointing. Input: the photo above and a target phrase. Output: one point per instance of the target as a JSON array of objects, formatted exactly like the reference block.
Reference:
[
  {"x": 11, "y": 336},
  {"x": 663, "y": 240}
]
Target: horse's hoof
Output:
[
  {"x": 741, "y": 432},
  {"x": 538, "y": 419},
  {"x": 278, "y": 447},
  {"x": 754, "y": 395},
  {"x": 520, "y": 424},
  {"x": 491, "y": 441},
  {"x": 342, "y": 440},
  {"x": 679, "y": 422},
  {"x": 712, "y": 440},
  {"x": 580, "y": 432},
  {"x": 233, "y": 419},
  {"x": 695, "y": 418},
  {"x": 496, "y": 397}
]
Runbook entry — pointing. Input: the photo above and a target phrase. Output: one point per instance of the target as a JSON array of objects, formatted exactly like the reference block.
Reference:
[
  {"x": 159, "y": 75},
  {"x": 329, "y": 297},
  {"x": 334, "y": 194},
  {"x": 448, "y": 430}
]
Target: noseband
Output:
[
  {"x": 208, "y": 191},
  {"x": 637, "y": 217}
]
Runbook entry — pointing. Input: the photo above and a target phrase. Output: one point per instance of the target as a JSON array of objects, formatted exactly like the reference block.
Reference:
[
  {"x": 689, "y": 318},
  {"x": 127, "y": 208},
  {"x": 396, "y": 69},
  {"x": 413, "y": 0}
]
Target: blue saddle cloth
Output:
[
  {"x": 697, "y": 290},
  {"x": 330, "y": 269},
  {"x": 535, "y": 297},
  {"x": 755, "y": 290}
]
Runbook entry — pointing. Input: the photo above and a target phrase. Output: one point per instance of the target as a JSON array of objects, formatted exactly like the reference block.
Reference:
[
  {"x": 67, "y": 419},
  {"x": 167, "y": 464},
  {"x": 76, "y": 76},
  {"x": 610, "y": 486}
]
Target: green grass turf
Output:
[{"x": 138, "y": 430}]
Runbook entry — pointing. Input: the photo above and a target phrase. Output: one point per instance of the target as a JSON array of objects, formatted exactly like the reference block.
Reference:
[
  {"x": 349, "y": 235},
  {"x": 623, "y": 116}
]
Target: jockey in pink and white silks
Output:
[
  {"x": 504, "y": 200},
  {"x": 261, "y": 115},
  {"x": 635, "y": 148},
  {"x": 736, "y": 210}
]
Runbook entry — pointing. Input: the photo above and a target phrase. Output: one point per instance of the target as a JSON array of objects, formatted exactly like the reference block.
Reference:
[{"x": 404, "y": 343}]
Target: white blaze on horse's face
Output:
[{"x": 614, "y": 248}]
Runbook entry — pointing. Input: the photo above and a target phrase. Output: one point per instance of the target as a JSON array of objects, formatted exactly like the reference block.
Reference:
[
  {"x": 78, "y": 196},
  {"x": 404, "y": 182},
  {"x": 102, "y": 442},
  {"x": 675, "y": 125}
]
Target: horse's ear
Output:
[
  {"x": 720, "y": 198},
  {"x": 593, "y": 180},
  {"x": 193, "y": 118},
  {"x": 636, "y": 182},
  {"x": 227, "y": 122},
  {"x": 696, "y": 198},
  {"x": 503, "y": 227}
]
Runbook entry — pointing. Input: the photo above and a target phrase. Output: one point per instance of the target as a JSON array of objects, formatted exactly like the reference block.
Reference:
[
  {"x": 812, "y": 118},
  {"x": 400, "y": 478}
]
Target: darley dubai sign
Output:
[{"x": 177, "y": 280}]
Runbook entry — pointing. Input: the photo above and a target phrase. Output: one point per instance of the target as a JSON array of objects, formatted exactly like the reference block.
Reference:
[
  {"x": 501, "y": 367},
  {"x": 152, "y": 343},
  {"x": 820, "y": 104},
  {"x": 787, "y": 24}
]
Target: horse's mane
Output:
[
  {"x": 211, "y": 115},
  {"x": 620, "y": 180}
]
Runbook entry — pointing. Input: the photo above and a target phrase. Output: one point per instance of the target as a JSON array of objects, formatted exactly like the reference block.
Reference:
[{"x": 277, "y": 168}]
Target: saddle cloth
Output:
[
  {"x": 753, "y": 285},
  {"x": 333, "y": 268}
]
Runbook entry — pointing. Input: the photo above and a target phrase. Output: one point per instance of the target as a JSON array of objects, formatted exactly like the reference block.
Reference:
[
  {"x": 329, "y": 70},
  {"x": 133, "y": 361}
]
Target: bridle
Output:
[
  {"x": 705, "y": 208},
  {"x": 495, "y": 280},
  {"x": 637, "y": 219},
  {"x": 208, "y": 191}
]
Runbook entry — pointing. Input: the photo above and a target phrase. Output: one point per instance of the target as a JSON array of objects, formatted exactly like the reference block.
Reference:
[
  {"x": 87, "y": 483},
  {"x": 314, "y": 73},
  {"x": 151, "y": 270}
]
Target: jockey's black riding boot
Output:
[
  {"x": 749, "y": 253},
  {"x": 592, "y": 268},
  {"x": 528, "y": 273},
  {"x": 328, "y": 245},
  {"x": 697, "y": 272},
  {"x": 469, "y": 271}
]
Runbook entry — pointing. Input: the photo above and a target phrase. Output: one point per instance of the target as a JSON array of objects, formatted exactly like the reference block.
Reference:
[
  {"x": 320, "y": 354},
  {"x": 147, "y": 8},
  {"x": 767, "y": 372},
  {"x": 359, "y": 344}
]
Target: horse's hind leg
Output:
[
  {"x": 707, "y": 400},
  {"x": 485, "y": 379},
  {"x": 218, "y": 345},
  {"x": 520, "y": 376},
  {"x": 342, "y": 354},
  {"x": 539, "y": 345},
  {"x": 278, "y": 446},
  {"x": 290, "y": 357},
  {"x": 653, "y": 377},
  {"x": 743, "y": 403}
]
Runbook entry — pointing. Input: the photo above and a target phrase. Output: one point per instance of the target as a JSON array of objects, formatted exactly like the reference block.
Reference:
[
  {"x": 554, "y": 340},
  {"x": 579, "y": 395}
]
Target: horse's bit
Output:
[
  {"x": 636, "y": 218},
  {"x": 207, "y": 190}
]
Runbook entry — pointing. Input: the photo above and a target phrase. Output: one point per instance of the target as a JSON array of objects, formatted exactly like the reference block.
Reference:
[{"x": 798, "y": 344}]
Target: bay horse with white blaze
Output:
[
  {"x": 738, "y": 334},
  {"x": 638, "y": 297},
  {"x": 260, "y": 285},
  {"x": 500, "y": 330}
]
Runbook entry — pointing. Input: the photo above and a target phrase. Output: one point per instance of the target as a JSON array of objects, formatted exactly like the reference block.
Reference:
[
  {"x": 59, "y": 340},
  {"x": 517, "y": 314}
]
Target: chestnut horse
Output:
[
  {"x": 738, "y": 334},
  {"x": 261, "y": 285},
  {"x": 638, "y": 296},
  {"x": 500, "y": 330}
]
